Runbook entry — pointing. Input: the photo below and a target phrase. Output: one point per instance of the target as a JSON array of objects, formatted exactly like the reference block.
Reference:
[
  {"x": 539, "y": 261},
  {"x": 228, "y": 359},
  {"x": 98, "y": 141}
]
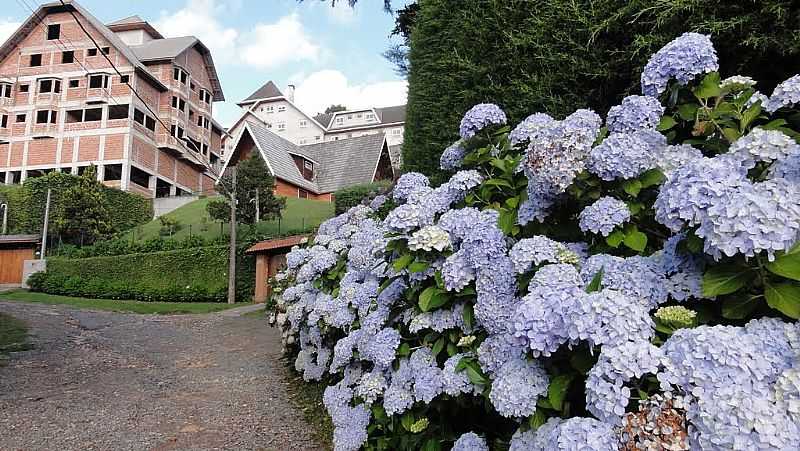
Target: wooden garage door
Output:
[{"x": 11, "y": 261}]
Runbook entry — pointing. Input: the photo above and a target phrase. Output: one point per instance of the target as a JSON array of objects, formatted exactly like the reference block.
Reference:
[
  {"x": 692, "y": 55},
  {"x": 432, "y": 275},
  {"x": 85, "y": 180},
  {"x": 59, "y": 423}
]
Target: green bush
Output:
[
  {"x": 347, "y": 198},
  {"x": 189, "y": 275},
  {"x": 561, "y": 55},
  {"x": 27, "y": 203}
]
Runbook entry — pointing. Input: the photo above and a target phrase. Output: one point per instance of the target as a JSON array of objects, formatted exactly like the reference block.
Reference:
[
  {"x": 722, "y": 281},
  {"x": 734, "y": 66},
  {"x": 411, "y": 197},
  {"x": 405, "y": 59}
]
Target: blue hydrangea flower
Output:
[
  {"x": 455, "y": 382},
  {"x": 407, "y": 183},
  {"x": 626, "y": 155},
  {"x": 439, "y": 320},
  {"x": 537, "y": 250},
  {"x": 370, "y": 386},
  {"x": 683, "y": 59},
  {"x": 529, "y": 127},
  {"x": 764, "y": 145},
  {"x": 517, "y": 386},
  {"x": 786, "y": 94},
  {"x": 453, "y": 156},
  {"x": 634, "y": 113},
  {"x": 377, "y": 202},
  {"x": 470, "y": 442},
  {"x": 604, "y": 215},
  {"x": 380, "y": 348},
  {"x": 584, "y": 434},
  {"x": 609, "y": 317},
  {"x": 405, "y": 218},
  {"x": 457, "y": 272},
  {"x": 479, "y": 117},
  {"x": 788, "y": 169},
  {"x": 757, "y": 97},
  {"x": 428, "y": 382},
  {"x": 497, "y": 349},
  {"x": 673, "y": 157}
]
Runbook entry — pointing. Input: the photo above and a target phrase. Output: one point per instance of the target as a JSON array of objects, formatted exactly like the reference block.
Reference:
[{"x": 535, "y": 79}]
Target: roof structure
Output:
[
  {"x": 391, "y": 114},
  {"x": 338, "y": 164},
  {"x": 266, "y": 91},
  {"x": 385, "y": 115},
  {"x": 35, "y": 20},
  {"x": 277, "y": 244},
  {"x": 18, "y": 239},
  {"x": 134, "y": 23}
]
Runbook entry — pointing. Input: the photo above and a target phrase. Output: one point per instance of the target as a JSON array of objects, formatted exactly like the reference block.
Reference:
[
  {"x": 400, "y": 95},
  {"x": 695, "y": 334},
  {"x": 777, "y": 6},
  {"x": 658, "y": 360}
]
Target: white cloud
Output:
[
  {"x": 199, "y": 18},
  {"x": 327, "y": 87},
  {"x": 342, "y": 13},
  {"x": 270, "y": 45},
  {"x": 7, "y": 27},
  {"x": 264, "y": 46}
]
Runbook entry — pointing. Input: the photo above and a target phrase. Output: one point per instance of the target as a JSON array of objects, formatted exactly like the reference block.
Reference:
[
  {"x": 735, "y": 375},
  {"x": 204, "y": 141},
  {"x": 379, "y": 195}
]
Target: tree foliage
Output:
[
  {"x": 335, "y": 108},
  {"x": 253, "y": 181},
  {"x": 560, "y": 55},
  {"x": 83, "y": 215}
]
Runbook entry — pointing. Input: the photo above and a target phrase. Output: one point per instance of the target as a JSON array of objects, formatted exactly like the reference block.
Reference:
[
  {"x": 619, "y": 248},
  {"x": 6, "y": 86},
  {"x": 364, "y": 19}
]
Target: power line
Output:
[{"x": 208, "y": 167}]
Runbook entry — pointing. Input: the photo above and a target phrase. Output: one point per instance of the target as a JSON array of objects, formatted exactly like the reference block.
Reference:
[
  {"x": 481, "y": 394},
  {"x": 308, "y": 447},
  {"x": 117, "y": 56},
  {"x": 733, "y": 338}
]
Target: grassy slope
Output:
[
  {"x": 299, "y": 214},
  {"x": 13, "y": 335},
  {"x": 118, "y": 306}
]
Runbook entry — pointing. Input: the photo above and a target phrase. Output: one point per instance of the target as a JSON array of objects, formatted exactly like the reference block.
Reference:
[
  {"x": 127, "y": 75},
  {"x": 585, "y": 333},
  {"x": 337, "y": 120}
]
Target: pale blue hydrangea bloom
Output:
[
  {"x": 517, "y": 386},
  {"x": 296, "y": 257},
  {"x": 737, "y": 83},
  {"x": 453, "y": 156},
  {"x": 463, "y": 181},
  {"x": 640, "y": 278},
  {"x": 377, "y": 202},
  {"x": 634, "y": 113},
  {"x": 497, "y": 349},
  {"x": 455, "y": 382},
  {"x": 380, "y": 348},
  {"x": 626, "y": 155},
  {"x": 788, "y": 169},
  {"x": 756, "y": 97},
  {"x": 439, "y": 320},
  {"x": 683, "y": 59},
  {"x": 764, "y": 145},
  {"x": 674, "y": 157},
  {"x": 606, "y": 395},
  {"x": 399, "y": 396},
  {"x": 350, "y": 428},
  {"x": 573, "y": 434},
  {"x": 556, "y": 155},
  {"x": 609, "y": 317},
  {"x": 539, "y": 249},
  {"x": 786, "y": 94},
  {"x": 343, "y": 350},
  {"x": 529, "y": 127},
  {"x": 604, "y": 215},
  {"x": 479, "y": 117},
  {"x": 406, "y": 218},
  {"x": 470, "y": 442},
  {"x": 457, "y": 272},
  {"x": 428, "y": 382},
  {"x": 370, "y": 386},
  {"x": 407, "y": 183}
]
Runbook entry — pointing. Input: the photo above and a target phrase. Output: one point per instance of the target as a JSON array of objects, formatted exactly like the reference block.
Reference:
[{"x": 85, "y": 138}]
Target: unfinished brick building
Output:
[{"x": 64, "y": 106}]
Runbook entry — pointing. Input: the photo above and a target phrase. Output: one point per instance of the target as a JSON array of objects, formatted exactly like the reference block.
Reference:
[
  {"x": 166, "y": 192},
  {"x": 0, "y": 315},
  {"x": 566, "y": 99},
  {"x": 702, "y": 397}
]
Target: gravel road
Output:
[{"x": 115, "y": 381}]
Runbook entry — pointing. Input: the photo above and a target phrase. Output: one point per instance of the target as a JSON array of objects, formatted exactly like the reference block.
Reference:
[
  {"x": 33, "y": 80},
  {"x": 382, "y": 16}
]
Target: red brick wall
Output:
[
  {"x": 115, "y": 146},
  {"x": 42, "y": 151},
  {"x": 88, "y": 148},
  {"x": 17, "y": 148},
  {"x": 143, "y": 154},
  {"x": 187, "y": 176},
  {"x": 166, "y": 165},
  {"x": 3, "y": 156},
  {"x": 67, "y": 149}
]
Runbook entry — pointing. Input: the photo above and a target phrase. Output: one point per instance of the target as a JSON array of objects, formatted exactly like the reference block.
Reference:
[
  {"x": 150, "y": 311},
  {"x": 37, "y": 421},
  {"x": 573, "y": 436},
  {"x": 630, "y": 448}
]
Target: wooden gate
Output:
[{"x": 14, "y": 250}]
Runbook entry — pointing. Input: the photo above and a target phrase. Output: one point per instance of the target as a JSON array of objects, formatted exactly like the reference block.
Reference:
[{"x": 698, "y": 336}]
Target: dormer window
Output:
[
  {"x": 370, "y": 116},
  {"x": 303, "y": 123},
  {"x": 281, "y": 109},
  {"x": 269, "y": 109},
  {"x": 340, "y": 120}
]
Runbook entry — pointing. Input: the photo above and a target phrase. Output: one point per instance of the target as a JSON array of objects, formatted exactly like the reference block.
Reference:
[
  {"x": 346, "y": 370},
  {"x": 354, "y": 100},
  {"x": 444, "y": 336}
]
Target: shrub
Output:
[
  {"x": 349, "y": 197},
  {"x": 560, "y": 55},
  {"x": 574, "y": 285}
]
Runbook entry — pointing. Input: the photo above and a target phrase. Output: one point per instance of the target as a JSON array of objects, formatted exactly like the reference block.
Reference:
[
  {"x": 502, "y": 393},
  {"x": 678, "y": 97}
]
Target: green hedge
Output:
[
  {"x": 560, "y": 55},
  {"x": 189, "y": 275},
  {"x": 349, "y": 197},
  {"x": 27, "y": 204}
]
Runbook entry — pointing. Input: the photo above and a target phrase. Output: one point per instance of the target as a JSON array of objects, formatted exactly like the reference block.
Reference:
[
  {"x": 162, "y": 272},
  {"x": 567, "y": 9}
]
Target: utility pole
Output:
[
  {"x": 258, "y": 208},
  {"x": 44, "y": 228},
  {"x": 232, "y": 261},
  {"x": 5, "y": 217}
]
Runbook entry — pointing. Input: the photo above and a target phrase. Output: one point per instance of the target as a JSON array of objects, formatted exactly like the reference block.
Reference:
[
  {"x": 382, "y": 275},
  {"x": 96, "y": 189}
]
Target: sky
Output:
[{"x": 332, "y": 55}]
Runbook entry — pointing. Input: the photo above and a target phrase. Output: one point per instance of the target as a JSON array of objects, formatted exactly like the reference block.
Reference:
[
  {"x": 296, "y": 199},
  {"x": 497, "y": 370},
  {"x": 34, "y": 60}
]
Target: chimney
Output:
[{"x": 290, "y": 93}]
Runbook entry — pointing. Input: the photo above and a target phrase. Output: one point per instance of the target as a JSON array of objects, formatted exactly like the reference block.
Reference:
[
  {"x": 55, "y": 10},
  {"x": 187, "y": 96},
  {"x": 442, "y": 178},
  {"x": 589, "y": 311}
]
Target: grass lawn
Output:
[
  {"x": 13, "y": 335},
  {"x": 113, "y": 305},
  {"x": 299, "y": 215}
]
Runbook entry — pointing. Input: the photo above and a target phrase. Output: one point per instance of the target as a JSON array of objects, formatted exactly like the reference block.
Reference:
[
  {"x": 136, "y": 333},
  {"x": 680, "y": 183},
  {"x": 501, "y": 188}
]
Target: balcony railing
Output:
[
  {"x": 5, "y": 133},
  {"x": 6, "y": 101},
  {"x": 170, "y": 144},
  {"x": 44, "y": 130}
]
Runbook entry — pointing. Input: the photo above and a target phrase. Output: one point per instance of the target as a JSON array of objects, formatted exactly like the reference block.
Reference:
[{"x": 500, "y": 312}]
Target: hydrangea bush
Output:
[{"x": 574, "y": 285}]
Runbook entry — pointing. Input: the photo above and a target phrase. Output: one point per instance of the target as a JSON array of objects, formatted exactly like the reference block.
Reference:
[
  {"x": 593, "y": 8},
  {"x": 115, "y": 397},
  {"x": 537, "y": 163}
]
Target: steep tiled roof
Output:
[
  {"x": 127, "y": 20},
  {"x": 345, "y": 162},
  {"x": 324, "y": 119},
  {"x": 264, "y": 92},
  {"x": 391, "y": 114},
  {"x": 276, "y": 151}
]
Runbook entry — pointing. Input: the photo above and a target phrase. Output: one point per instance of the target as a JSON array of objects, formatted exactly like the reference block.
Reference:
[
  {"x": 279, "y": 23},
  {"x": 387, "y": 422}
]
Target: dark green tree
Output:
[
  {"x": 219, "y": 210},
  {"x": 82, "y": 215},
  {"x": 559, "y": 55},
  {"x": 335, "y": 108},
  {"x": 254, "y": 192}
]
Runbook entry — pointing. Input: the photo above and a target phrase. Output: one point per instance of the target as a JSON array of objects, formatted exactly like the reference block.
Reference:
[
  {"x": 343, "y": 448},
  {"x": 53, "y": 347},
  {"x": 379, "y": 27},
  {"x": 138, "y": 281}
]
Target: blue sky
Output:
[{"x": 332, "y": 55}]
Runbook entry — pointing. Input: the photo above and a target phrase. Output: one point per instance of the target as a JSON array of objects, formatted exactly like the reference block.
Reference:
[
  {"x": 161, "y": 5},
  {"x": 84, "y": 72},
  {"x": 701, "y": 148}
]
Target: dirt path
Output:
[{"x": 114, "y": 381}]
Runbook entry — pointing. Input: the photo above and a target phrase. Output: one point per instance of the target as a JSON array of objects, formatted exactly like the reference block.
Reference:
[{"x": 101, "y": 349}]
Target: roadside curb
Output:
[{"x": 239, "y": 311}]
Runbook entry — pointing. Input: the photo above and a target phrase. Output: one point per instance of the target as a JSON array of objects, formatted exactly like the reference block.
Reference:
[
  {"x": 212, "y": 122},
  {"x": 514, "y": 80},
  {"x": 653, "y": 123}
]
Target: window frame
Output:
[
  {"x": 92, "y": 51},
  {"x": 6, "y": 90},
  {"x": 68, "y": 53},
  {"x": 24, "y": 117},
  {"x": 104, "y": 81},
  {"x": 37, "y": 56},
  {"x": 119, "y": 108},
  {"x": 53, "y": 27}
]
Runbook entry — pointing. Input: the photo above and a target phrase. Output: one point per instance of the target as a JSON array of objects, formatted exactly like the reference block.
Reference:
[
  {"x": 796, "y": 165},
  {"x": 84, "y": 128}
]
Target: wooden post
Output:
[
  {"x": 44, "y": 228},
  {"x": 232, "y": 257}
]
